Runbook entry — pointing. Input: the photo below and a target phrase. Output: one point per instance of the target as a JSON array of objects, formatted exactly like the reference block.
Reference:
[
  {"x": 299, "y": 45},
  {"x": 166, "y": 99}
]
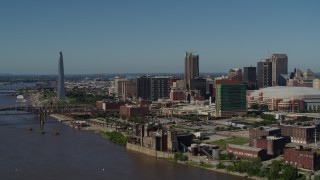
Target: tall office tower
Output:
[
  {"x": 191, "y": 68},
  {"x": 61, "y": 94},
  {"x": 279, "y": 66},
  {"x": 264, "y": 73},
  {"x": 250, "y": 77},
  {"x": 230, "y": 98},
  {"x": 153, "y": 88},
  {"x": 118, "y": 85},
  {"x": 199, "y": 85},
  {"x": 249, "y": 74},
  {"x": 235, "y": 74}
]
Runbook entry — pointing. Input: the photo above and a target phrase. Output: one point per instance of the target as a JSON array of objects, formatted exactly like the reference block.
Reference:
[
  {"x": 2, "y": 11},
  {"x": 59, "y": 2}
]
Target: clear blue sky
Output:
[{"x": 115, "y": 36}]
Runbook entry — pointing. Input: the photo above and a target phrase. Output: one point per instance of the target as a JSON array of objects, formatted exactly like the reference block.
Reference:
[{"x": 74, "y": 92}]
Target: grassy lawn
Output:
[{"x": 234, "y": 140}]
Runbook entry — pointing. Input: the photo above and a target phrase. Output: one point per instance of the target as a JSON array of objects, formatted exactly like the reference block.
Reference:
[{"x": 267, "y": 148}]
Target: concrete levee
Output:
[{"x": 150, "y": 152}]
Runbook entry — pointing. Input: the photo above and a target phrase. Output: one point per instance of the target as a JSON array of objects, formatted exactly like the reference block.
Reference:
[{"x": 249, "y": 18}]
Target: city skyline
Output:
[{"x": 145, "y": 37}]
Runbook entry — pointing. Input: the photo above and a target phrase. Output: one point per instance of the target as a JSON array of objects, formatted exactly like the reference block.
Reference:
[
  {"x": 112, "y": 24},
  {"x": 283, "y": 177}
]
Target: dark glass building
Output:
[{"x": 153, "y": 88}]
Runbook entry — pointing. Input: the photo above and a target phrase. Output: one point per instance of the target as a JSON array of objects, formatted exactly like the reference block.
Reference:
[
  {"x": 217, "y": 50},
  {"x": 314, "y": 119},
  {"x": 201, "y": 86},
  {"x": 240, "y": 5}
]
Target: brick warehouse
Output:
[
  {"x": 300, "y": 134},
  {"x": 273, "y": 145},
  {"x": 301, "y": 158},
  {"x": 303, "y": 135},
  {"x": 263, "y": 131},
  {"x": 131, "y": 111},
  {"x": 111, "y": 106},
  {"x": 246, "y": 152}
]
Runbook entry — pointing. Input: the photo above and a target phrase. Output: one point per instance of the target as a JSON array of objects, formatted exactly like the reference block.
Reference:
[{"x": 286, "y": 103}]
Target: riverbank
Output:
[
  {"x": 68, "y": 121},
  {"x": 207, "y": 167},
  {"x": 115, "y": 137},
  {"x": 170, "y": 157},
  {"x": 161, "y": 155}
]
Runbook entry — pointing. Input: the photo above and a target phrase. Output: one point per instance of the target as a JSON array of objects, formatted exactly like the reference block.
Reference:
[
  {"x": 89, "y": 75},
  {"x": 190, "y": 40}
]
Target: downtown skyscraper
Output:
[
  {"x": 270, "y": 70},
  {"x": 153, "y": 87},
  {"x": 191, "y": 68},
  {"x": 60, "y": 89},
  {"x": 250, "y": 77},
  {"x": 279, "y": 67},
  {"x": 249, "y": 74},
  {"x": 264, "y": 77}
]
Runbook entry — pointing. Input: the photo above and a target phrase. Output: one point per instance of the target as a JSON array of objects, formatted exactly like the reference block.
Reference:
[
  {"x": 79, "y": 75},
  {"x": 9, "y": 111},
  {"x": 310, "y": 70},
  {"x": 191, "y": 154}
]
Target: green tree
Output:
[
  {"x": 316, "y": 177},
  {"x": 289, "y": 173},
  {"x": 205, "y": 165},
  {"x": 115, "y": 137},
  {"x": 275, "y": 169},
  {"x": 267, "y": 117},
  {"x": 255, "y": 167},
  {"x": 254, "y": 106},
  {"x": 180, "y": 157},
  {"x": 221, "y": 166},
  {"x": 230, "y": 156}
]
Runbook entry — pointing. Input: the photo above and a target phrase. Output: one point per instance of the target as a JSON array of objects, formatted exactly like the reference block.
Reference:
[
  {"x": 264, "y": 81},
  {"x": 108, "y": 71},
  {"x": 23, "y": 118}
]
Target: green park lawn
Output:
[{"x": 233, "y": 140}]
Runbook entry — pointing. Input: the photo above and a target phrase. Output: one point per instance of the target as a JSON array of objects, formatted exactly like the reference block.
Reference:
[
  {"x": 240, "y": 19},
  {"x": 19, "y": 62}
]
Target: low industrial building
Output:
[
  {"x": 128, "y": 111},
  {"x": 303, "y": 135},
  {"x": 155, "y": 137},
  {"x": 273, "y": 145},
  {"x": 246, "y": 152},
  {"x": 301, "y": 158},
  {"x": 259, "y": 132},
  {"x": 197, "y": 109},
  {"x": 300, "y": 134},
  {"x": 111, "y": 106}
]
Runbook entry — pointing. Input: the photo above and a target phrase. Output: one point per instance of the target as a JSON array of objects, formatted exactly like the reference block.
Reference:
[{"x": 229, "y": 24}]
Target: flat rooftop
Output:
[{"x": 244, "y": 147}]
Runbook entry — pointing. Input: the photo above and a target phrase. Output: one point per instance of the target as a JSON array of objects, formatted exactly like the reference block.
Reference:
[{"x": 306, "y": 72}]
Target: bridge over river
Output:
[
  {"x": 13, "y": 87},
  {"x": 54, "y": 109}
]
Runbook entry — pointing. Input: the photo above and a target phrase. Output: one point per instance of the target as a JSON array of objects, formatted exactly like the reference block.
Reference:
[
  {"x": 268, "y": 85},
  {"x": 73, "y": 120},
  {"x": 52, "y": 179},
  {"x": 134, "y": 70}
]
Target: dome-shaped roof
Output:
[{"x": 285, "y": 92}]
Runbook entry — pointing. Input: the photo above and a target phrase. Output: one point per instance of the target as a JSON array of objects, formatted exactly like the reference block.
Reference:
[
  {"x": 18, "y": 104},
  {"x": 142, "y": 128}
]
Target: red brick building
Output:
[
  {"x": 173, "y": 79},
  {"x": 303, "y": 135},
  {"x": 246, "y": 152},
  {"x": 112, "y": 106},
  {"x": 131, "y": 111},
  {"x": 300, "y": 134},
  {"x": 177, "y": 95},
  {"x": 99, "y": 105},
  {"x": 256, "y": 133},
  {"x": 273, "y": 145},
  {"x": 235, "y": 74},
  {"x": 129, "y": 89},
  {"x": 301, "y": 158}
]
